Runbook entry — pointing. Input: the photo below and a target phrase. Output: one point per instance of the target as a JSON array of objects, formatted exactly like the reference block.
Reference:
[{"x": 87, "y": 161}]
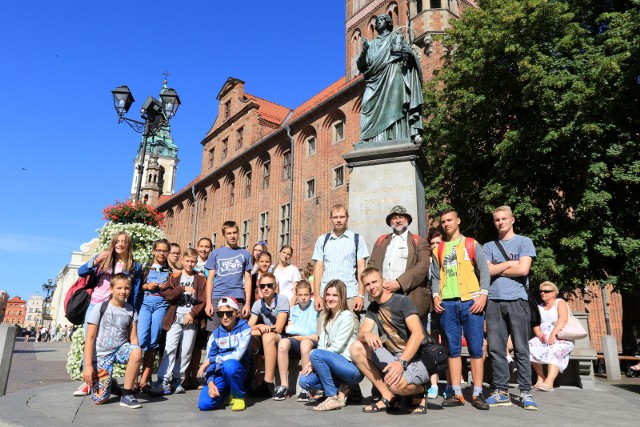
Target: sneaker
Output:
[
  {"x": 448, "y": 391},
  {"x": 478, "y": 402},
  {"x": 453, "y": 400},
  {"x": 303, "y": 396},
  {"x": 526, "y": 401},
  {"x": 432, "y": 393},
  {"x": 281, "y": 393},
  {"x": 329, "y": 404},
  {"x": 129, "y": 401},
  {"x": 162, "y": 388},
  {"x": 512, "y": 367},
  {"x": 237, "y": 404},
  {"x": 179, "y": 389},
  {"x": 83, "y": 390},
  {"x": 499, "y": 398}
]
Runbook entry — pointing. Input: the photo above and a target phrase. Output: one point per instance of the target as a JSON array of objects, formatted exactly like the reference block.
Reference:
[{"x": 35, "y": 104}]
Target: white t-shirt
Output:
[{"x": 287, "y": 277}]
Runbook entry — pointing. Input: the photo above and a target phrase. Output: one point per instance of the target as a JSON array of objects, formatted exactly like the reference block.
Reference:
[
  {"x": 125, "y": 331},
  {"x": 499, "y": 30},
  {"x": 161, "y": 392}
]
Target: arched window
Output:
[{"x": 356, "y": 48}]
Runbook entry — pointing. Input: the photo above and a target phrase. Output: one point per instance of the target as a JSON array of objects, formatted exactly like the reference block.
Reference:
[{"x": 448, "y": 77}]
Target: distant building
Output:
[
  {"x": 4, "y": 297},
  {"x": 15, "y": 312},
  {"x": 66, "y": 278},
  {"x": 33, "y": 316}
]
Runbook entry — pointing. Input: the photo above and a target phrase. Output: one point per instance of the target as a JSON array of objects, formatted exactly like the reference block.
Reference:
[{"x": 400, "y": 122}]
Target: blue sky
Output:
[{"x": 61, "y": 59}]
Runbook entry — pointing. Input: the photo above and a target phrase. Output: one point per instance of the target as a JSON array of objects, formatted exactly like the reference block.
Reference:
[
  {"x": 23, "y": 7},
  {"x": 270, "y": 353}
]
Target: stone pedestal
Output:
[
  {"x": 611, "y": 361},
  {"x": 381, "y": 177},
  {"x": 7, "y": 342}
]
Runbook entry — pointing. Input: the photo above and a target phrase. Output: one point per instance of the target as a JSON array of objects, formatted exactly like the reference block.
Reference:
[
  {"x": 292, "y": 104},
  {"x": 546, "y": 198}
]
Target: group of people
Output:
[
  {"x": 52, "y": 333},
  {"x": 251, "y": 316}
]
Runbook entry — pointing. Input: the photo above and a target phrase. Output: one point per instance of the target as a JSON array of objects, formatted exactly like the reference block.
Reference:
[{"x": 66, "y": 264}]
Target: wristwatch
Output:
[{"x": 404, "y": 364}]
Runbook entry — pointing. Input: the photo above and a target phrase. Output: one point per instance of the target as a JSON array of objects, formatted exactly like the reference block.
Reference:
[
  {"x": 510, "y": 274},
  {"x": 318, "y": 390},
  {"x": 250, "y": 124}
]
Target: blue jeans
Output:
[
  {"x": 457, "y": 319},
  {"x": 330, "y": 371},
  {"x": 229, "y": 380},
  {"x": 150, "y": 318}
]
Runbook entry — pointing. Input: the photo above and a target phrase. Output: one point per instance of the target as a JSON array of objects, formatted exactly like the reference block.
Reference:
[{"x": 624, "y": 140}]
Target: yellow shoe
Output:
[{"x": 237, "y": 404}]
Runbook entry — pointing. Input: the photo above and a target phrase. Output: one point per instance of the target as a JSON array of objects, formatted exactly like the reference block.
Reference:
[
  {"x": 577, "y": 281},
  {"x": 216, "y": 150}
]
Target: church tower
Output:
[{"x": 160, "y": 165}]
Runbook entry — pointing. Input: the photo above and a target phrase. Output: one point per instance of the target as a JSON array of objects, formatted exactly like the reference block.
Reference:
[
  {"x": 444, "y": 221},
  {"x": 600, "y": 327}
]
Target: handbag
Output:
[
  {"x": 573, "y": 330},
  {"x": 534, "y": 313},
  {"x": 433, "y": 355}
]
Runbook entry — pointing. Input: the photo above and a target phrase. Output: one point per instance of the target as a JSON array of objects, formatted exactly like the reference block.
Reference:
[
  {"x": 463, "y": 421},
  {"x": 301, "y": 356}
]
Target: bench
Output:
[{"x": 579, "y": 372}]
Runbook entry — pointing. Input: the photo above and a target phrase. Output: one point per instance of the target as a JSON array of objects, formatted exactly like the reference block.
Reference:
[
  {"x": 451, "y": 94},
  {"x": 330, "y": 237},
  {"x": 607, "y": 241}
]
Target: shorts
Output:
[
  {"x": 101, "y": 388},
  {"x": 294, "y": 350},
  {"x": 456, "y": 320},
  {"x": 416, "y": 373}
]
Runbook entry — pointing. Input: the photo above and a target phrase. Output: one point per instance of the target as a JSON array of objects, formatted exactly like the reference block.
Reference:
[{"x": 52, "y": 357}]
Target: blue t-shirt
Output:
[
  {"x": 229, "y": 265},
  {"x": 303, "y": 322},
  {"x": 509, "y": 288}
]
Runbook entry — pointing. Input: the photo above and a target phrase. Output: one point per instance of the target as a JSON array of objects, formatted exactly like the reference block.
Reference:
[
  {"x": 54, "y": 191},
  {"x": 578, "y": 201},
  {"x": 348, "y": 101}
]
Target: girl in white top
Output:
[{"x": 287, "y": 275}]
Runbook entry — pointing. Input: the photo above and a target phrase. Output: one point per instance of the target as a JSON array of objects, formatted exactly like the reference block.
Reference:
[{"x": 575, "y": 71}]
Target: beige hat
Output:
[{"x": 398, "y": 210}]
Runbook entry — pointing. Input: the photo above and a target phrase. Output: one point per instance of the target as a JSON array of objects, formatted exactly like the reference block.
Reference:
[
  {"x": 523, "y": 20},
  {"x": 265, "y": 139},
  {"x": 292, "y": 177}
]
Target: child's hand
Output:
[
  {"x": 264, "y": 329},
  {"x": 213, "y": 390},
  {"x": 307, "y": 370},
  {"x": 187, "y": 319},
  {"x": 88, "y": 375}
]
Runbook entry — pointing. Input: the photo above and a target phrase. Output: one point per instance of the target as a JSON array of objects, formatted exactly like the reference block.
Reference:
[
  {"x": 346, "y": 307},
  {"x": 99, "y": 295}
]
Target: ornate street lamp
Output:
[{"x": 156, "y": 114}]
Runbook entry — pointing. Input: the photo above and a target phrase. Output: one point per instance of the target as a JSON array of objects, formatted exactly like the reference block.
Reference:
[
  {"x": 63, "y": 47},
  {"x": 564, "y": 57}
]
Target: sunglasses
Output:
[
  {"x": 222, "y": 314},
  {"x": 544, "y": 291},
  {"x": 267, "y": 285}
]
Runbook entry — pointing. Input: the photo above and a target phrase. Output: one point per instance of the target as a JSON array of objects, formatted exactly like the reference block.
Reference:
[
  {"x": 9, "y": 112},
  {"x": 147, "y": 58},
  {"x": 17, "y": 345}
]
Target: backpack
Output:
[
  {"x": 414, "y": 236},
  {"x": 469, "y": 245},
  {"x": 78, "y": 297}
]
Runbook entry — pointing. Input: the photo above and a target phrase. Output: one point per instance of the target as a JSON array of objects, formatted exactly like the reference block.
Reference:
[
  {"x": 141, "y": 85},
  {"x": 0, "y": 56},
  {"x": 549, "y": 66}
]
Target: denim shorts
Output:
[{"x": 456, "y": 320}]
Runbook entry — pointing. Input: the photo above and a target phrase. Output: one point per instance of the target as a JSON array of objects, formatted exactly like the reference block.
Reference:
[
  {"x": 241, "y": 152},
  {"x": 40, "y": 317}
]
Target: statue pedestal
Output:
[{"x": 381, "y": 177}]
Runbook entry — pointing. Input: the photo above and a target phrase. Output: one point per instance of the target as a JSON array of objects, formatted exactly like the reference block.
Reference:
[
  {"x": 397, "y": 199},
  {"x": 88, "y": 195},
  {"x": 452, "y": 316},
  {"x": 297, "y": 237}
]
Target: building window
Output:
[
  {"x": 232, "y": 192},
  {"x": 212, "y": 153},
  {"x": 246, "y": 225},
  {"x": 311, "y": 188},
  {"x": 225, "y": 142},
  {"x": 191, "y": 211},
  {"x": 338, "y": 131},
  {"x": 286, "y": 165},
  {"x": 311, "y": 146},
  {"x": 170, "y": 222},
  {"x": 247, "y": 185},
  {"x": 266, "y": 172},
  {"x": 214, "y": 237},
  {"x": 204, "y": 207},
  {"x": 338, "y": 176},
  {"x": 264, "y": 226},
  {"x": 239, "y": 137},
  {"x": 227, "y": 110},
  {"x": 285, "y": 218},
  {"x": 436, "y": 4}
]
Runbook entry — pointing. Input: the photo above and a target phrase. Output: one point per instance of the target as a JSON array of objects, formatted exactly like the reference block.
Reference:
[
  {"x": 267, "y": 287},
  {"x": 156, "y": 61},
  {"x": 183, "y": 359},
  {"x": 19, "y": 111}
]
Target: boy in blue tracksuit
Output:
[{"x": 227, "y": 364}]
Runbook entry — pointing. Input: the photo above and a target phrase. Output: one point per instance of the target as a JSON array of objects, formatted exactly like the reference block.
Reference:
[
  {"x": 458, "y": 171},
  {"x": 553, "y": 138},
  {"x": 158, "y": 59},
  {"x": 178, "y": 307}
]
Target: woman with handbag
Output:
[{"x": 546, "y": 348}]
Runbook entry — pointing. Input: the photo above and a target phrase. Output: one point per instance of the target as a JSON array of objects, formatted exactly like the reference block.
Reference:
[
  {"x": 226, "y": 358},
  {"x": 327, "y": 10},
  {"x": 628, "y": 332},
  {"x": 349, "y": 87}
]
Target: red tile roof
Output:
[
  {"x": 323, "y": 95},
  {"x": 269, "y": 111}
]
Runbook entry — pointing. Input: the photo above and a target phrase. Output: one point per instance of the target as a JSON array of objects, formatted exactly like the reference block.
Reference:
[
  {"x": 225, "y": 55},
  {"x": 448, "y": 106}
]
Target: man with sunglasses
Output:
[
  {"x": 268, "y": 318},
  {"x": 509, "y": 260},
  {"x": 227, "y": 364}
]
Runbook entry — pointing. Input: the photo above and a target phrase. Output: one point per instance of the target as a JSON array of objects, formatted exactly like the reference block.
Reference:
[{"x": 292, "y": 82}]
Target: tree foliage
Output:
[{"x": 537, "y": 106}]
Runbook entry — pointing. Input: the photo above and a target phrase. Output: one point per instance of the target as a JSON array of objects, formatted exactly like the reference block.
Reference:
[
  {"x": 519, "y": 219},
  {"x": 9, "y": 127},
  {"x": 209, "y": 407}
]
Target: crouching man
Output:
[{"x": 392, "y": 362}]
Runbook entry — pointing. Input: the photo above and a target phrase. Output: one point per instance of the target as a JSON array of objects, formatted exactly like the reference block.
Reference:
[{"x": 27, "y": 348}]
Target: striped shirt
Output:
[{"x": 339, "y": 258}]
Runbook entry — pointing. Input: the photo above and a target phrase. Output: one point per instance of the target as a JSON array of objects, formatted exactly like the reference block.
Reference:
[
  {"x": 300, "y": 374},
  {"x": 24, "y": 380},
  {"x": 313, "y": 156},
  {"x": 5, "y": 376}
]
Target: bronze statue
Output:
[{"x": 392, "y": 99}]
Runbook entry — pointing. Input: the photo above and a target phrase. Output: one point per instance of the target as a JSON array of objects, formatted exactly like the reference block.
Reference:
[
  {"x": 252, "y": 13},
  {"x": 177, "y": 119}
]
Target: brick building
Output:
[
  {"x": 276, "y": 170},
  {"x": 15, "y": 312}
]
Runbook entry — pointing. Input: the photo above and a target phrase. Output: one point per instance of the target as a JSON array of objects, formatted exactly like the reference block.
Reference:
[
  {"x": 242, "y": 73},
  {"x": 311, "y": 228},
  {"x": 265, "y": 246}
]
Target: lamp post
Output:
[
  {"x": 47, "y": 287},
  {"x": 156, "y": 114}
]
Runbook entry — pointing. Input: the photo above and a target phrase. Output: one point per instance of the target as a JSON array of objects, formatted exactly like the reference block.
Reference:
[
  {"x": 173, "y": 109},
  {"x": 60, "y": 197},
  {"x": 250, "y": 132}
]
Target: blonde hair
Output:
[
  {"x": 549, "y": 284},
  {"x": 503, "y": 208},
  {"x": 127, "y": 256}
]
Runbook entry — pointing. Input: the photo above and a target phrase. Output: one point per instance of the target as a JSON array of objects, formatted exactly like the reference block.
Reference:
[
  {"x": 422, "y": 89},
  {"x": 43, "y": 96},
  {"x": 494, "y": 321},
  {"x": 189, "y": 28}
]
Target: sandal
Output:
[
  {"x": 419, "y": 409},
  {"x": 537, "y": 385},
  {"x": 373, "y": 408},
  {"x": 544, "y": 387}
]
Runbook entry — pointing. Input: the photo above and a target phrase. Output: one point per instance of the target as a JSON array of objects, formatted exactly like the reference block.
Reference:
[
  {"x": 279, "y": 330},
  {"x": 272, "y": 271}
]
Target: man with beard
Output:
[{"x": 404, "y": 258}]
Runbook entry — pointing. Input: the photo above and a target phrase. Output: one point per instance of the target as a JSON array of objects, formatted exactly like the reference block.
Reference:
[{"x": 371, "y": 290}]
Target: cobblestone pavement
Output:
[{"x": 35, "y": 364}]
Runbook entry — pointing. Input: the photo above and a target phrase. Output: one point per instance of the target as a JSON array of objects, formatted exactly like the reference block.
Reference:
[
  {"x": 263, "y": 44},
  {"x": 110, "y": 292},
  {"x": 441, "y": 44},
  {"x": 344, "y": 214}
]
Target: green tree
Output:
[{"x": 537, "y": 106}]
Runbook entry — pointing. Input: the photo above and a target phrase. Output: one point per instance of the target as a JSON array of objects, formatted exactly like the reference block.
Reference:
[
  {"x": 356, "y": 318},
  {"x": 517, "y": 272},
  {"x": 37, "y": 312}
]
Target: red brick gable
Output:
[{"x": 269, "y": 111}]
